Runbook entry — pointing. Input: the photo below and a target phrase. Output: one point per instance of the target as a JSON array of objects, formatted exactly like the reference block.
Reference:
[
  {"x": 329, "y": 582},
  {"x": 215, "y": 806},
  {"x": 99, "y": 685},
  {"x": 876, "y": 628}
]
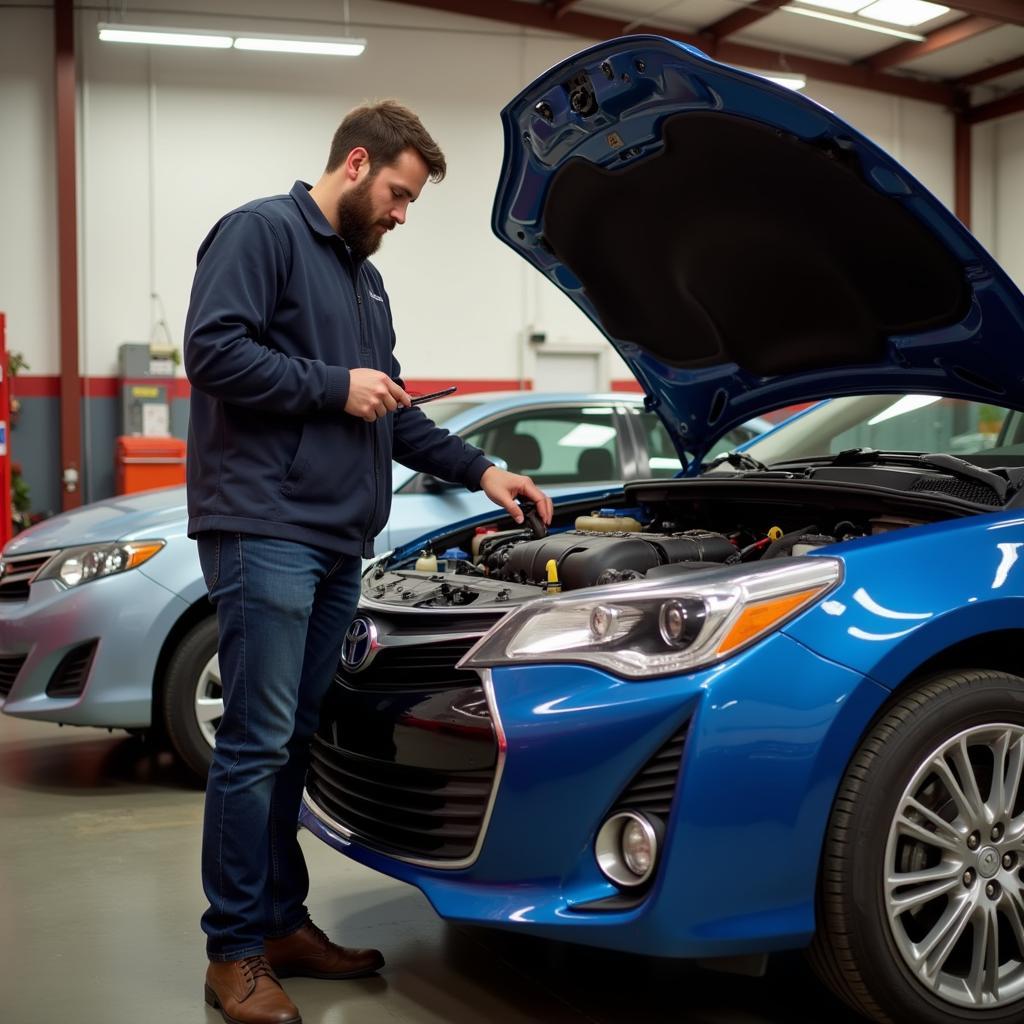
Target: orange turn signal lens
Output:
[
  {"x": 756, "y": 618},
  {"x": 141, "y": 552}
]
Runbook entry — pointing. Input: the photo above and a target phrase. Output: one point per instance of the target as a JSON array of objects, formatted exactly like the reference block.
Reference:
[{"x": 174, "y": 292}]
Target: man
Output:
[{"x": 297, "y": 410}]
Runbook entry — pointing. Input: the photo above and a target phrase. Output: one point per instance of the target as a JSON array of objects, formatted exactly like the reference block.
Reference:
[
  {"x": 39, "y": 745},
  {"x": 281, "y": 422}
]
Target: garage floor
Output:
[{"x": 100, "y": 901}]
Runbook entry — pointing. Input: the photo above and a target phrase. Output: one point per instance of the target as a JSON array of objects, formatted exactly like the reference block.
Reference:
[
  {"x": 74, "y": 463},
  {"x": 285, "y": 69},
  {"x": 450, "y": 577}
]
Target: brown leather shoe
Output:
[
  {"x": 247, "y": 992},
  {"x": 308, "y": 953}
]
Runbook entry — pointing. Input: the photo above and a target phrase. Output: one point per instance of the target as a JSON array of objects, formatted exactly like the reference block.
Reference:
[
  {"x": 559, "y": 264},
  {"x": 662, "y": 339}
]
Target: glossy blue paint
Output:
[
  {"x": 908, "y": 595},
  {"x": 770, "y": 735},
  {"x": 679, "y": 79}
]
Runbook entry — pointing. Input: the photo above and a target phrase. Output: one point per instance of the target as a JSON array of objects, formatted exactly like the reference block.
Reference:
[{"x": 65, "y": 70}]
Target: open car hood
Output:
[{"x": 743, "y": 248}]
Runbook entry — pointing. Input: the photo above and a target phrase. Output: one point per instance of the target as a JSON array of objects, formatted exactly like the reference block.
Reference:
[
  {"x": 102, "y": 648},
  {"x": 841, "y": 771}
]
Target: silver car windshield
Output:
[{"x": 910, "y": 423}]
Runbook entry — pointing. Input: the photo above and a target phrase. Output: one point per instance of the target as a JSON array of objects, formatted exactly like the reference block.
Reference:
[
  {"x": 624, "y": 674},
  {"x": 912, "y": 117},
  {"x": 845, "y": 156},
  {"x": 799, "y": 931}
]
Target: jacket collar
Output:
[
  {"x": 316, "y": 220},
  {"x": 313, "y": 214}
]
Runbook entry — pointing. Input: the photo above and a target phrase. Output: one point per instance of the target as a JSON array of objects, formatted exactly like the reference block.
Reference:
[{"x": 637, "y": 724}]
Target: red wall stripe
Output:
[{"x": 30, "y": 386}]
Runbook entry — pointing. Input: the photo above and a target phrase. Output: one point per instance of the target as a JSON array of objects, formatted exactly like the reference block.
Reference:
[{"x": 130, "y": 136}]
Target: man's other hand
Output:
[
  {"x": 503, "y": 487},
  {"x": 372, "y": 395}
]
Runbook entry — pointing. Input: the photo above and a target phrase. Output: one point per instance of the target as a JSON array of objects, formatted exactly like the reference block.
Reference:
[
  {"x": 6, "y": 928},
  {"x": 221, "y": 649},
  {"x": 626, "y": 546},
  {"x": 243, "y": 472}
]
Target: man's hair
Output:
[{"x": 385, "y": 130}]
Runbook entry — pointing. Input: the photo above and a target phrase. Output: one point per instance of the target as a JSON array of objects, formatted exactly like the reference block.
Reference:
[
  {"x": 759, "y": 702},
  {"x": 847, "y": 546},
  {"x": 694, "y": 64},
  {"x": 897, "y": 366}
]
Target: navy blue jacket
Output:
[{"x": 279, "y": 313}]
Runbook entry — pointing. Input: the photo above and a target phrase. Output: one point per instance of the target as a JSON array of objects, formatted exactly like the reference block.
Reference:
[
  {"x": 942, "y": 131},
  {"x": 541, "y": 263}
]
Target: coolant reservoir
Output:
[
  {"x": 603, "y": 523},
  {"x": 427, "y": 562}
]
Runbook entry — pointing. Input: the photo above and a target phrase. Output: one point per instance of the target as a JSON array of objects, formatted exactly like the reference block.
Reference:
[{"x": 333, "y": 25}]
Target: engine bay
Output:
[{"x": 649, "y": 530}]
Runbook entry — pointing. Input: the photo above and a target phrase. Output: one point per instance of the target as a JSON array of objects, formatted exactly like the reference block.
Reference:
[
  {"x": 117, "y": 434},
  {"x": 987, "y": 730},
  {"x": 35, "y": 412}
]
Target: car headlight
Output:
[
  {"x": 94, "y": 561},
  {"x": 640, "y": 630}
]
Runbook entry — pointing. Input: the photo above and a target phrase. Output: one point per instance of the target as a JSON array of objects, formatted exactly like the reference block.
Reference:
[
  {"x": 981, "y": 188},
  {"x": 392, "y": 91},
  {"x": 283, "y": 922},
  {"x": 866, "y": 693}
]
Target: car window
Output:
[
  {"x": 662, "y": 458},
  {"x": 926, "y": 423},
  {"x": 556, "y": 446}
]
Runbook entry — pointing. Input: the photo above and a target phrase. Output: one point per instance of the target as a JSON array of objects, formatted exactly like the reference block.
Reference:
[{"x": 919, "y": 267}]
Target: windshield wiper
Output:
[{"x": 996, "y": 480}]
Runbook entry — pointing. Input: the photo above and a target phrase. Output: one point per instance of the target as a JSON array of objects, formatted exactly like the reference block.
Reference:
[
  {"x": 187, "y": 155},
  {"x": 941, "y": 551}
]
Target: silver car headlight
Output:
[
  {"x": 641, "y": 630},
  {"x": 73, "y": 566}
]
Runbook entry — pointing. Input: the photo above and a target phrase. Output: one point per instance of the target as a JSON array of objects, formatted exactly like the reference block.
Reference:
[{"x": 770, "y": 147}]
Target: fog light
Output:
[
  {"x": 638, "y": 845},
  {"x": 627, "y": 847}
]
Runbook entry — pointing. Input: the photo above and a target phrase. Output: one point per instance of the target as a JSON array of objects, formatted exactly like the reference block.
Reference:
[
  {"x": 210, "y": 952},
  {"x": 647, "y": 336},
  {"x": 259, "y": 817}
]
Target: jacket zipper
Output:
[
  {"x": 364, "y": 346},
  {"x": 376, "y": 490}
]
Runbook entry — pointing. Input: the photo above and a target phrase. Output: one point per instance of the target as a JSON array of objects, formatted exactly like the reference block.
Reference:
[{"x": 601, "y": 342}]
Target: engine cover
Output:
[{"x": 582, "y": 556}]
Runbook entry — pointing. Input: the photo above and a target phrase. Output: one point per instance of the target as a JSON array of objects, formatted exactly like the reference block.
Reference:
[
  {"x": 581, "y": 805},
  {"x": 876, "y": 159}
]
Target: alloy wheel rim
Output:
[
  {"x": 209, "y": 700},
  {"x": 954, "y": 869}
]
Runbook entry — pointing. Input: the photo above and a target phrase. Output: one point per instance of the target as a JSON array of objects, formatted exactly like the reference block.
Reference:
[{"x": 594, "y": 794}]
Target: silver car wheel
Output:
[
  {"x": 209, "y": 700},
  {"x": 954, "y": 864}
]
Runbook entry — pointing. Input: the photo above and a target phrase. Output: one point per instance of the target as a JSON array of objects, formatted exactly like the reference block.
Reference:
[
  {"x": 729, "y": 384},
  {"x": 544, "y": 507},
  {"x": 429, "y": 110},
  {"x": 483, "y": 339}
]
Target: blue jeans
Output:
[{"x": 282, "y": 612}]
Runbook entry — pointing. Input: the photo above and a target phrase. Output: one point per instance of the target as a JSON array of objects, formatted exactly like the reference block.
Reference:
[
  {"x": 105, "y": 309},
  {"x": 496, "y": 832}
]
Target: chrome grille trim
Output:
[
  {"x": 20, "y": 570},
  {"x": 424, "y": 862}
]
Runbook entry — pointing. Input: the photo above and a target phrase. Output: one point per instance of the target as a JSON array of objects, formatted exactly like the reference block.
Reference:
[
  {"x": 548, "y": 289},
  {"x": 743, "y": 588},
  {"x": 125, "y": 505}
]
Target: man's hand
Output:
[
  {"x": 372, "y": 395},
  {"x": 503, "y": 487}
]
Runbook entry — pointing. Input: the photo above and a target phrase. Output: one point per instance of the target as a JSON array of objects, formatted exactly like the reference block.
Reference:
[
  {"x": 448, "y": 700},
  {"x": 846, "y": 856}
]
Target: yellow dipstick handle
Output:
[
  {"x": 774, "y": 533},
  {"x": 551, "y": 566}
]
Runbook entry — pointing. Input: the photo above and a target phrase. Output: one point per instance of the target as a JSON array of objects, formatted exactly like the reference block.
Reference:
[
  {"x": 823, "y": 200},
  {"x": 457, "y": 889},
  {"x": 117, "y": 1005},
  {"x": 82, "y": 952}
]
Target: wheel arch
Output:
[
  {"x": 997, "y": 650},
  {"x": 190, "y": 618}
]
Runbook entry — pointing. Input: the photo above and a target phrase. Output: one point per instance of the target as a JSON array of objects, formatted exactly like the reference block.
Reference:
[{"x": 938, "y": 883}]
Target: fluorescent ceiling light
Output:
[
  {"x": 220, "y": 40},
  {"x": 846, "y": 6},
  {"x": 903, "y": 12},
  {"x": 163, "y": 36},
  {"x": 789, "y": 81},
  {"x": 853, "y": 23},
  {"x": 302, "y": 44}
]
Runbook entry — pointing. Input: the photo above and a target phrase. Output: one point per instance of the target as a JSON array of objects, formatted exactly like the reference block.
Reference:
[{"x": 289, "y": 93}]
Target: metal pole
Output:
[{"x": 67, "y": 250}]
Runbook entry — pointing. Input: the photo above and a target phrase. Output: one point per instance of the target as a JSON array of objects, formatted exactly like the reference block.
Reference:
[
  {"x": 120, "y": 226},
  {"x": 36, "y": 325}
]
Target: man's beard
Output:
[{"x": 358, "y": 227}]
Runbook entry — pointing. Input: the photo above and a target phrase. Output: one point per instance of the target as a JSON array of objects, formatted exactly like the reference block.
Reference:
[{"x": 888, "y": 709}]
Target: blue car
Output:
[
  {"x": 104, "y": 619},
  {"x": 776, "y": 702}
]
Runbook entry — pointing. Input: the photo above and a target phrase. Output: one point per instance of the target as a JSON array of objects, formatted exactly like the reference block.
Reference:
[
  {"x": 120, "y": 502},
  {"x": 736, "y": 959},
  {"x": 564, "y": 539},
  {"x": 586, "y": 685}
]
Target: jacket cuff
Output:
[
  {"x": 338, "y": 380},
  {"x": 475, "y": 470}
]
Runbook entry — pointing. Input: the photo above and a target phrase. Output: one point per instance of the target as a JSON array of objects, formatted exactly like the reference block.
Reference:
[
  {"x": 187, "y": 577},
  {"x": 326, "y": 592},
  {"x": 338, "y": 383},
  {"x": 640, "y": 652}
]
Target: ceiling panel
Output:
[
  {"x": 791, "y": 33},
  {"x": 992, "y": 47},
  {"x": 782, "y": 31}
]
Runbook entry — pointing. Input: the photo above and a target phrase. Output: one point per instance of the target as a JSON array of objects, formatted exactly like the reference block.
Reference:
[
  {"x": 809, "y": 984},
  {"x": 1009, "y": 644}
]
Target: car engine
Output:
[{"x": 656, "y": 530}]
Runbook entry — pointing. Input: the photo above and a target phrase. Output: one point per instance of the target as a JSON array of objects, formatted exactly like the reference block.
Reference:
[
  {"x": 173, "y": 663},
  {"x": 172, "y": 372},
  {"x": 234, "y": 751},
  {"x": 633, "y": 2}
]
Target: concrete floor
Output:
[{"x": 100, "y": 902}]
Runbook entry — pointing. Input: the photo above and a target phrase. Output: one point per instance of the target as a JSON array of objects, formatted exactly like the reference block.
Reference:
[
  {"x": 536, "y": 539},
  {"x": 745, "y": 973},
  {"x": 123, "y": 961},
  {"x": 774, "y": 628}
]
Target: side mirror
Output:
[{"x": 497, "y": 460}]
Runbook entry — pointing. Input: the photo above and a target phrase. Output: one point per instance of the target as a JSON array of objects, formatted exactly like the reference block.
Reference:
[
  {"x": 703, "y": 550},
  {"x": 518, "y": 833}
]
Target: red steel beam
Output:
[
  {"x": 994, "y": 71},
  {"x": 739, "y": 20},
  {"x": 559, "y": 7},
  {"x": 592, "y": 26},
  {"x": 1013, "y": 103},
  {"x": 1009, "y": 11},
  {"x": 940, "y": 39},
  {"x": 67, "y": 254}
]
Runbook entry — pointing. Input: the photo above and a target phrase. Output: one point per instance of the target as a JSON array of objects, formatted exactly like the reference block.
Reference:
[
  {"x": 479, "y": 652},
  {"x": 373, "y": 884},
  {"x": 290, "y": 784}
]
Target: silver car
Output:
[{"x": 104, "y": 619}]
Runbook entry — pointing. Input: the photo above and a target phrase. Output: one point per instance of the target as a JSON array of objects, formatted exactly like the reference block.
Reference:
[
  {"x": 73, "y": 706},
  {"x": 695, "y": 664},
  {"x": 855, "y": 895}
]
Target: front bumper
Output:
[
  {"x": 768, "y": 737},
  {"x": 125, "y": 618}
]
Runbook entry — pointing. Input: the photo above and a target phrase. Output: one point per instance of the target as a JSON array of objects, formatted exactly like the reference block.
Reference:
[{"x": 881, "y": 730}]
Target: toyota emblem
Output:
[{"x": 360, "y": 645}]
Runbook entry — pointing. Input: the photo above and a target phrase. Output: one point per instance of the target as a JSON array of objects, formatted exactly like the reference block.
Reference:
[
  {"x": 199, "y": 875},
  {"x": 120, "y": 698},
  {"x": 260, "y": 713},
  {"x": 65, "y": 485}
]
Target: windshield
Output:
[{"x": 901, "y": 423}]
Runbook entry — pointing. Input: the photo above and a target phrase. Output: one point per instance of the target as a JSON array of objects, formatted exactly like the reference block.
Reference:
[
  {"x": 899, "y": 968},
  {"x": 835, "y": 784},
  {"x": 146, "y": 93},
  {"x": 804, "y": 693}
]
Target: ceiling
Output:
[{"x": 970, "y": 57}]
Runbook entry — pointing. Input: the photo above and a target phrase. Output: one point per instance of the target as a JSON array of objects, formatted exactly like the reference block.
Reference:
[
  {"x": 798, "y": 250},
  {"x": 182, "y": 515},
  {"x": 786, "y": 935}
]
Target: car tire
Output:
[
  {"x": 876, "y": 919},
  {"x": 191, "y": 694}
]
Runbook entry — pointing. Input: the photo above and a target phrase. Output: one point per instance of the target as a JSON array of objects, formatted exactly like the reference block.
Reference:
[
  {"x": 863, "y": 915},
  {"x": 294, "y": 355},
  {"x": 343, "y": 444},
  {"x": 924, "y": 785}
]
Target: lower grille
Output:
[
  {"x": 68, "y": 679},
  {"x": 9, "y": 669},
  {"x": 654, "y": 786},
  {"x": 399, "y": 809}
]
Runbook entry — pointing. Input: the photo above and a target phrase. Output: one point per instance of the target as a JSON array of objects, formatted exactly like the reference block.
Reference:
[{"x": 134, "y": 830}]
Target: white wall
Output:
[
  {"x": 171, "y": 139},
  {"x": 28, "y": 213}
]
